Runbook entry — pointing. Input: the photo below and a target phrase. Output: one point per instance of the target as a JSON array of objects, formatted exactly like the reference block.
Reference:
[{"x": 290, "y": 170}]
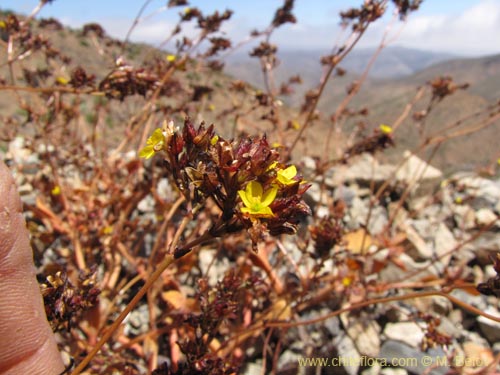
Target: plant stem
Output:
[{"x": 169, "y": 259}]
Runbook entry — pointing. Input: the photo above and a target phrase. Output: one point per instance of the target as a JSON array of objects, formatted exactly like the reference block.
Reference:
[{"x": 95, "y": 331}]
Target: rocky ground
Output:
[{"x": 445, "y": 226}]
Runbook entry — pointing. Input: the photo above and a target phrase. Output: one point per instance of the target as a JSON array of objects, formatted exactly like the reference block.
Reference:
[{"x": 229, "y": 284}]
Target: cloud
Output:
[{"x": 474, "y": 31}]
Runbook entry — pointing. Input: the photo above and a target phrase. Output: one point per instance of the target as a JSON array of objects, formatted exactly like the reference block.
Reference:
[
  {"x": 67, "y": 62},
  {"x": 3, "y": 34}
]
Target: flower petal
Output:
[
  {"x": 269, "y": 196},
  {"x": 244, "y": 199},
  {"x": 272, "y": 166},
  {"x": 386, "y": 129},
  {"x": 265, "y": 212},
  {"x": 254, "y": 191},
  {"x": 262, "y": 212},
  {"x": 290, "y": 172},
  {"x": 156, "y": 137},
  {"x": 286, "y": 176},
  {"x": 147, "y": 152}
]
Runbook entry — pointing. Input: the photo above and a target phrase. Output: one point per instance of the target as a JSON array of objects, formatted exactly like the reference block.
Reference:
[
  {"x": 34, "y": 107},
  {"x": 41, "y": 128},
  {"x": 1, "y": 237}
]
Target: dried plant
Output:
[{"x": 129, "y": 196}]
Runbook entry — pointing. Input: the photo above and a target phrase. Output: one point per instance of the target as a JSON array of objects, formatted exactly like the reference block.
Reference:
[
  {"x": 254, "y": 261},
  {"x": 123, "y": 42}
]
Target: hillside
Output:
[
  {"x": 100, "y": 54},
  {"x": 393, "y": 62},
  {"x": 166, "y": 246},
  {"x": 384, "y": 98},
  {"x": 387, "y": 100}
]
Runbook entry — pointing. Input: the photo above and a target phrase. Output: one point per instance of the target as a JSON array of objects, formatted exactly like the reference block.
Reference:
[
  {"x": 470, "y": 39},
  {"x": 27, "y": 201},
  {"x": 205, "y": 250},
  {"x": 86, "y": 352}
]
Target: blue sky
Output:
[{"x": 466, "y": 27}]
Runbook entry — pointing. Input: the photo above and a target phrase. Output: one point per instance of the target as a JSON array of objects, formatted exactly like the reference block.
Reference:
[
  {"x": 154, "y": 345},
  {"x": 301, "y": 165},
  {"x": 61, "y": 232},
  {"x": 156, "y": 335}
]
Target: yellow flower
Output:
[
  {"x": 107, "y": 229},
  {"x": 346, "y": 281},
  {"x": 257, "y": 201},
  {"x": 61, "y": 80},
  {"x": 153, "y": 144},
  {"x": 56, "y": 190},
  {"x": 295, "y": 125},
  {"x": 211, "y": 107},
  {"x": 386, "y": 129},
  {"x": 214, "y": 140},
  {"x": 272, "y": 166},
  {"x": 286, "y": 176},
  {"x": 187, "y": 10},
  {"x": 171, "y": 58}
]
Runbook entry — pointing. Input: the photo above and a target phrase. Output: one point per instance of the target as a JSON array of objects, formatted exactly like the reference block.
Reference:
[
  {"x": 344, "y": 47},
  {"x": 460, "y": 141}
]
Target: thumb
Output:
[{"x": 27, "y": 345}]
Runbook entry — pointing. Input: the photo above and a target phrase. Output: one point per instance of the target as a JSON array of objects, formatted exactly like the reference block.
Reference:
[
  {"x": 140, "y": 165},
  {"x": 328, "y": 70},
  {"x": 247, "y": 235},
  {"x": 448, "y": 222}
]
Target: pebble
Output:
[
  {"x": 433, "y": 225},
  {"x": 490, "y": 328},
  {"x": 409, "y": 333}
]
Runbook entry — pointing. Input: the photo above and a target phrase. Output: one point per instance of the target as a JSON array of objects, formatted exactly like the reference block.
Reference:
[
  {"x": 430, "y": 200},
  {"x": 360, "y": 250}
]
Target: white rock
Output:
[
  {"x": 212, "y": 269},
  {"x": 313, "y": 195},
  {"x": 421, "y": 176},
  {"x": 393, "y": 371},
  {"x": 410, "y": 358},
  {"x": 358, "y": 214},
  {"x": 416, "y": 168},
  {"x": 490, "y": 328},
  {"x": 464, "y": 215},
  {"x": 485, "y": 216},
  {"x": 364, "y": 169},
  {"x": 252, "y": 369},
  {"x": 147, "y": 204},
  {"x": 424, "y": 251},
  {"x": 444, "y": 243},
  {"x": 164, "y": 189},
  {"x": 364, "y": 333},
  {"x": 322, "y": 211},
  {"x": 408, "y": 332},
  {"x": 392, "y": 273},
  {"x": 346, "y": 349},
  {"x": 479, "y": 187},
  {"x": 129, "y": 156},
  {"x": 308, "y": 165},
  {"x": 345, "y": 193},
  {"x": 20, "y": 153}
]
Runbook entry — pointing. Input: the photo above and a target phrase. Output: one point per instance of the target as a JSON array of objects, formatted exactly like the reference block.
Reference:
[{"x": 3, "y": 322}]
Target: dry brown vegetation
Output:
[{"x": 216, "y": 284}]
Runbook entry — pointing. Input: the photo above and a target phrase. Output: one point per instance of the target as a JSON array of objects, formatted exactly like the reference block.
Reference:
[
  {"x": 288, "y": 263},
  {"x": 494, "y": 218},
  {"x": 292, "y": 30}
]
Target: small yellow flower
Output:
[
  {"x": 62, "y": 80},
  {"x": 386, "y": 129},
  {"x": 295, "y": 125},
  {"x": 187, "y": 10},
  {"x": 272, "y": 166},
  {"x": 171, "y": 58},
  {"x": 257, "y": 201},
  {"x": 214, "y": 140},
  {"x": 56, "y": 190},
  {"x": 286, "y": 176},
  {"x": 211, "y": 107},
  {"x": 107, "y": 229},
  {"x": 346, "y": 281},
  {"x": 498, "y": 161},
  {"x": 3, "y": 25},
  {"x": 154, "y": 144}
]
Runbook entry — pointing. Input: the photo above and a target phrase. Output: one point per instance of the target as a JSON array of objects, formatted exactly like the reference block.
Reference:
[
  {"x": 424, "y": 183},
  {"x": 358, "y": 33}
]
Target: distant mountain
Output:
[
  {"x": 393, "y": 62},
  {"x": 391, "y": 85},
  {"x": 482, "y": 73},
  {"x": 387, "y": 99}
]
